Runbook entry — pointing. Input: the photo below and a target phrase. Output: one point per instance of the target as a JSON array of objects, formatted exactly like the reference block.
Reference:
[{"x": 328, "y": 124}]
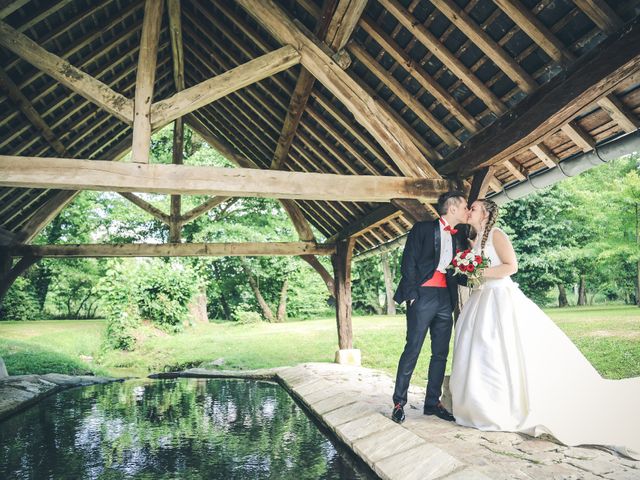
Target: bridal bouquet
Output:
[{"x": 468, "y": 263}]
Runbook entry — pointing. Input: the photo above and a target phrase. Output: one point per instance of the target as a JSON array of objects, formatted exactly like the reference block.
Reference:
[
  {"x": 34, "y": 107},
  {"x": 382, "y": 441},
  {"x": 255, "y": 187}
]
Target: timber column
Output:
[{"x": 341, "y": 261}]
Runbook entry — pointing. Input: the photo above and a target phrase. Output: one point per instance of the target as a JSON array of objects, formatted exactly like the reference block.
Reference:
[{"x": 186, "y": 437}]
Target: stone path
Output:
[{"x": 354, "y": 403}]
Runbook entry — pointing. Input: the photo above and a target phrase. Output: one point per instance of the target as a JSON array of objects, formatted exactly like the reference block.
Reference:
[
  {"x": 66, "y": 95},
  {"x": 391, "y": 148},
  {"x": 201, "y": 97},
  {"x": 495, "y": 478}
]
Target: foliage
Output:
[
  {"x": 20, "y": 302},
  {"x": 242, "y": 315}
]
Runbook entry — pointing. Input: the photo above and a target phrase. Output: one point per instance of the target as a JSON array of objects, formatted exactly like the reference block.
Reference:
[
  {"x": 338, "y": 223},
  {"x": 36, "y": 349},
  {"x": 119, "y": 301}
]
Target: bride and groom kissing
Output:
[{"x": 513, "y": 369}]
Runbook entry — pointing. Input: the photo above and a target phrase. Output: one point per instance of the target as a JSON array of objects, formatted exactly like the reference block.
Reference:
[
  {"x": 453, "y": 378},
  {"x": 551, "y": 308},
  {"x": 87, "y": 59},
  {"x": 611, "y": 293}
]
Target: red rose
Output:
[
  {"x": 470, "y": 268},
  {"x": 478, "y": 259},
  {"x": 455, "y": 262},
  {"x": 457, "y": 250}
]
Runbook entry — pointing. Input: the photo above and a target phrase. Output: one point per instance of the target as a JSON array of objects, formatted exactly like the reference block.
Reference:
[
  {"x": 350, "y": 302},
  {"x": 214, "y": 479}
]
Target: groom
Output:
[{"x": 431, "y": 292}]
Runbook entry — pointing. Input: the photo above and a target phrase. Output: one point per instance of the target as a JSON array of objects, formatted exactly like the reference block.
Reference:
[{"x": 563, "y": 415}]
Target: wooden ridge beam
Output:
[
  {"x": 65, "y": 73},
  {"x": 536, "y": 30},
  {"x": 551, "y": 106},
  {"x": 25, "y": 106},
  {"x": 147, "y": 207},
  {"x": 145, "y": 78},
  {"x": 489, "y": 47},
  {"x": 364, "y": 108},
  {"x": 431, "y": 42},
  {"x": 192, "y": 98},
  {"x": 171, "y": 250}
]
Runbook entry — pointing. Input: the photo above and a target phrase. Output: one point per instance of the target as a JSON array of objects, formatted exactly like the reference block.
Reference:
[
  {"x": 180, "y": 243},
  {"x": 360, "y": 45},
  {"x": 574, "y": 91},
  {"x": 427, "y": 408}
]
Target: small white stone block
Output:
[{"x": 351, "y": 356}]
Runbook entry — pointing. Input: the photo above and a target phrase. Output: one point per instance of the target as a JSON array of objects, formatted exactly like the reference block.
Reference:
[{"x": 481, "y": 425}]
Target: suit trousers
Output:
[{"x": 432, "y": 312}]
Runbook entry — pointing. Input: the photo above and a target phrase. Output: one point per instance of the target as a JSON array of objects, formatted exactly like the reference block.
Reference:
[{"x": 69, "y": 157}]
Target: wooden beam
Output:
[
  {"x": 404, "y": 95},
  {"x": 536, "y": 30},
  {"x": 551, "y": 106},
  {"x": 480, "y": 184},
  {"x": 205, "y": 180},
  {"x": 419, "y": 74},
  {"x": 7, "y": 237},
  {"x": 377, "y": 216},
  {"x": 7, "y": 7},
  {"x": 172, "y": 250},
  {"x": 210, "y": 90},
  {"x": 344, "y": 22},
  {"x": 364, "y": 108},
  {"x": 414, "y": 210},
  {"x": 145, "y": 78},
  {"x": 619, "y": 113},
  {"x": 8, "y": 277},
  {"x": 147, "y": 207},
  {"x": 489, "y": 47},
  {"x": 432, "y": 43},
  {"x": 578, "y": 136},
  {"x": 201, "y": 209},
  {"x": 601, "y": 14},
  {"x": 70, "y": 76},
  {"x": 514, "y": 170},
  {"x": 545, "y": 154},
  {"x": 177, "y": 50},
  {"x": 15, "y": 95}
]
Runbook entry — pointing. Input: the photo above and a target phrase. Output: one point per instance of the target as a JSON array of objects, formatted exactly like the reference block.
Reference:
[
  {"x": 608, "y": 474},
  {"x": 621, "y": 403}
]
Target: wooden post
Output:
[
  {"x": 175, "y": 226},
  {"x": 342, "y": 277},
  {"x": 145, "y": 78}
]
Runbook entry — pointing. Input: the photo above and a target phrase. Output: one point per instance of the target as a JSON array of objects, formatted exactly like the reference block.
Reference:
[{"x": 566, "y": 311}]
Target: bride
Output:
[{"x": 514, "y": 370}]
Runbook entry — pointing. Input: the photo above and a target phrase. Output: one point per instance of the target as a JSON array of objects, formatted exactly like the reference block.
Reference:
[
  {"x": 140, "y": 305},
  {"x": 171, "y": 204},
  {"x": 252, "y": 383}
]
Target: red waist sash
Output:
[{"x": 439, "y": 280}]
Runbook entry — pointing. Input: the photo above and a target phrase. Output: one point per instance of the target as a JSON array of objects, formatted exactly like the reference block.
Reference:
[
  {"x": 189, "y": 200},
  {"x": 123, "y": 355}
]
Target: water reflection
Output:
[{"x": 214, "y": 429}]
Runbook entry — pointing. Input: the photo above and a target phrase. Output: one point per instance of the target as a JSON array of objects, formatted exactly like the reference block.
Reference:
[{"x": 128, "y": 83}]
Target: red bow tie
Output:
[{"x": 450, "y": 229}]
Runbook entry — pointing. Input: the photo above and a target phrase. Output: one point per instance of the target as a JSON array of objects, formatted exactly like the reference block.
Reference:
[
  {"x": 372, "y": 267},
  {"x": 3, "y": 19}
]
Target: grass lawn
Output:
[{"x": 608, "y": 336}]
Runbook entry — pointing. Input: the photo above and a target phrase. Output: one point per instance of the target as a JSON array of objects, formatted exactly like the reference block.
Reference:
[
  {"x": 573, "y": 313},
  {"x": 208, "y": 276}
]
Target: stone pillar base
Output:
[{"x": 349, "y": 356}]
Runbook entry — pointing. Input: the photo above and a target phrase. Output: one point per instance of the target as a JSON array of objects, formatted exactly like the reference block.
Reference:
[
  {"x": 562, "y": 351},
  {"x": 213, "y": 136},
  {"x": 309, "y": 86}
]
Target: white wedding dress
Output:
[{"x": 514, "y": 370}]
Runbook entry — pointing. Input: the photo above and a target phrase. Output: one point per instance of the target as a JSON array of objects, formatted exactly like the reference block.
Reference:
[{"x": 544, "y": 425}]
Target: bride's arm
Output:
[{"x": 507, "y": 256}]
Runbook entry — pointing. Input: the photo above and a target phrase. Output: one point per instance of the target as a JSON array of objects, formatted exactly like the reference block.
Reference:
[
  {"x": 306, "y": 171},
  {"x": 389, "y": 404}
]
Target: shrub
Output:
[
  {"x": 244, "y": 316},
  {"x": 20, "y": 302}
]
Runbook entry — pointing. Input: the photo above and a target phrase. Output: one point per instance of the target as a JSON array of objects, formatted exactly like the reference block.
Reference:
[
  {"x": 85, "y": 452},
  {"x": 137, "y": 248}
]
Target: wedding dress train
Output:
[{"x": 514, "y": 370}]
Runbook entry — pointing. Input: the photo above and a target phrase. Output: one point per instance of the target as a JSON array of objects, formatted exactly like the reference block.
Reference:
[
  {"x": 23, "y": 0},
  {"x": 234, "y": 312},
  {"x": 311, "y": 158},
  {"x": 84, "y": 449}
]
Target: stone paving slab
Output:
[{"x": 424, "y": 462}]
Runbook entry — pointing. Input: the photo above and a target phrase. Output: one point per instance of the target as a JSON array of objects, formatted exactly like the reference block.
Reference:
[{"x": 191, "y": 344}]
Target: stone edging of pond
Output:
[
  {"x": 21, "y": 391},
  {"x": 390, "y": 450}
]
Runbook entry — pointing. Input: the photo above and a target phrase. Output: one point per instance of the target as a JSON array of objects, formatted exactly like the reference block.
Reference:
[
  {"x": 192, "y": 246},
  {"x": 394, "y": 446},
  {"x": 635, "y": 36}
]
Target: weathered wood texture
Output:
[{"x": 342, "y": 274}]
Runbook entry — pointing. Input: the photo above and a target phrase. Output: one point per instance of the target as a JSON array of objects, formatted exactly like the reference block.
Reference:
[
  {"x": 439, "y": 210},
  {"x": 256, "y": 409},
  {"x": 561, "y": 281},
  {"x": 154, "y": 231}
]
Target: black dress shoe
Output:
[
  {"x": 397, "y": 415},
  {"x": 440, "y": 412}
]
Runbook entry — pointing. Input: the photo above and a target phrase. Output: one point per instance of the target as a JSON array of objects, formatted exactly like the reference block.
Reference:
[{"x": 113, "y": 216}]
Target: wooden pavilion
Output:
[{"x": 355, "y": 114}]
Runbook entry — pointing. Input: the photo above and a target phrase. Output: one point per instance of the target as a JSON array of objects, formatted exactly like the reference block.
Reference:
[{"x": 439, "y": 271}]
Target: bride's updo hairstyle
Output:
[{"x": 491, "y": 208}]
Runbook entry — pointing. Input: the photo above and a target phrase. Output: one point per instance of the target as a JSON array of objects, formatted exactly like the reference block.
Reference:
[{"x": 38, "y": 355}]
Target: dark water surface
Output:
[{"x": 183, "y": 428}]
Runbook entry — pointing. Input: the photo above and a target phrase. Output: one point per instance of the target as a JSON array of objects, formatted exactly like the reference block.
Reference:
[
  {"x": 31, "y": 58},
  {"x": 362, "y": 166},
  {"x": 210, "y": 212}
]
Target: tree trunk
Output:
[
  {"x": 198, "y": 307},
  {"x": 638, "y": 285},
  {"x": 266, "y": 310},
  {"x": 282, "y": 306},
  {"x": 562, "y": 296},
  {"x": 582, "y": 291},
  {"x": 388, "y": 283}
]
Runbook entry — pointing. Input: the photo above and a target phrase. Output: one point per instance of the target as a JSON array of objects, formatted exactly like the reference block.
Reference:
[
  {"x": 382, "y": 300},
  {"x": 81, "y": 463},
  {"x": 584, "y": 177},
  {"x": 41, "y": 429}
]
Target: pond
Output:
[{"x": 182, "y": 428}]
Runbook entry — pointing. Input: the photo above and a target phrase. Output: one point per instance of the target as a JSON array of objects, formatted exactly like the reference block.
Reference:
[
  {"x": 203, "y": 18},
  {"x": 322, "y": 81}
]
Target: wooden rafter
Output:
[
  {"x": 210, "y": 90},
  {"x": 619, "y": 113},
  {"x": 7, "y": 7},
  {"x": 432, "y": 43},
  {"x": 536, "y": 30},
  {"x": 365, "y": 109},
  {"x": 70, "y": 76},
  {"x": 545, "y": 154},
  {"x": 344, "y": 22},
  {"x": 578, "y": 136},
  {"x": 201, "y": 209},
  {"x": 25, "y": 106},
  {"x": 177, "y": 49},
  {"x": 601, "y": 14},
  {"x": 515, "y": 170},
  {"x": 145, "y": 78},
  {"x": 489, "y": 47},
  {"x": 552, "y": 106},
  {"x": 171, "y": 250}
]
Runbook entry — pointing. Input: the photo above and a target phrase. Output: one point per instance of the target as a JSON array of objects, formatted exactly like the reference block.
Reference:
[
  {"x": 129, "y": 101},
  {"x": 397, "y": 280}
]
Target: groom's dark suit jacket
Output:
[{"x": 420, "y": 260}]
